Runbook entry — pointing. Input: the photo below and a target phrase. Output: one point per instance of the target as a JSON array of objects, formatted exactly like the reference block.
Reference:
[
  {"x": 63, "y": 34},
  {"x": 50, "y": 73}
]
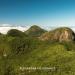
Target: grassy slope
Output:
[{"x": 47, "y": 55}]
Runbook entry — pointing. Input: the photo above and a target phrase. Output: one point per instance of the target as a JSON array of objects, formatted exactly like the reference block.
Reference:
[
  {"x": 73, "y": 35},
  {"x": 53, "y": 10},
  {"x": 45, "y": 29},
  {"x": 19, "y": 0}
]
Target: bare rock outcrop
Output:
[{"x": 59, "y": 34}]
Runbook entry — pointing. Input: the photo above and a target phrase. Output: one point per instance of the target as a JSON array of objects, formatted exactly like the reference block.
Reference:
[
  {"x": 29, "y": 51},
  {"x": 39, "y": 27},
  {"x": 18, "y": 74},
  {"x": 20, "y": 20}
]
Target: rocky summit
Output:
[{"x": 59, "y": 34}]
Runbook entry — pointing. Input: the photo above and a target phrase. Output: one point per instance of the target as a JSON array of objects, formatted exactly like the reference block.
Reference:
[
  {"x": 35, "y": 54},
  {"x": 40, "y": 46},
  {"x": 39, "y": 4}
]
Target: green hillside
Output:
[
  {"x": 16, "y": 33},
  {"x": 35, "y": 31},
  {"x": 47, "y": 55},
  {"x": 18, "y": 53}
]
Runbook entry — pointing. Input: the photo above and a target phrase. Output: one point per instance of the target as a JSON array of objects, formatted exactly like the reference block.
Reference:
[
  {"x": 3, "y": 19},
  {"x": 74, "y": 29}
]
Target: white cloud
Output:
[
  {"x": 4, "y": 28},
  {"x": 5, "y": 25},
  {"x": 73, "y": 29}
]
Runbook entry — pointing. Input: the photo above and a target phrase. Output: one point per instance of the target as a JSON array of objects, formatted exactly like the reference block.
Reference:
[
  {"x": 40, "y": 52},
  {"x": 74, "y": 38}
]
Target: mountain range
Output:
[
  {"x": 58, "y": 34},
  {"x": 37, "y": 48}
]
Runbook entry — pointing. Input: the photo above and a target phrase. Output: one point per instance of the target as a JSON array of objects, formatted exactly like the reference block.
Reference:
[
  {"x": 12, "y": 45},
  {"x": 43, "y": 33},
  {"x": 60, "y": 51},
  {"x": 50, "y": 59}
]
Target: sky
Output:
[{"x": 44, "y": 13}]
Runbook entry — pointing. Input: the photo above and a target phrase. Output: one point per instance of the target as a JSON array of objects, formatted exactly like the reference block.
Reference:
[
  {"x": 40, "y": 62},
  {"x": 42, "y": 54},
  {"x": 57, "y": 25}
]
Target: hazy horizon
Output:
[{"x": 6, "y": 27}]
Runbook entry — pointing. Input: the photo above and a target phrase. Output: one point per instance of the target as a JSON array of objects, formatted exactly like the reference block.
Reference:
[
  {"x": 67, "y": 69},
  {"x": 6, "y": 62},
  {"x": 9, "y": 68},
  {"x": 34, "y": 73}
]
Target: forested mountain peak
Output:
[{"x": 35, "y": 31}]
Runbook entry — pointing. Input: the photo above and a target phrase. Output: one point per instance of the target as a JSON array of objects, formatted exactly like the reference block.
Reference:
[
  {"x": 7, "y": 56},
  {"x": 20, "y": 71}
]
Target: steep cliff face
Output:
[{"x": 59, "y": 34}]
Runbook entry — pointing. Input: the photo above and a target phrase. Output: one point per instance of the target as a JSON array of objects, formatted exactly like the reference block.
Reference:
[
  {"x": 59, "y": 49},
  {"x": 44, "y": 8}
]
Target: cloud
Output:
[
  {"x": 73, "y": 29},
  {"x": 4, "y": 28},
  {"x": 5, "y": 25}
]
